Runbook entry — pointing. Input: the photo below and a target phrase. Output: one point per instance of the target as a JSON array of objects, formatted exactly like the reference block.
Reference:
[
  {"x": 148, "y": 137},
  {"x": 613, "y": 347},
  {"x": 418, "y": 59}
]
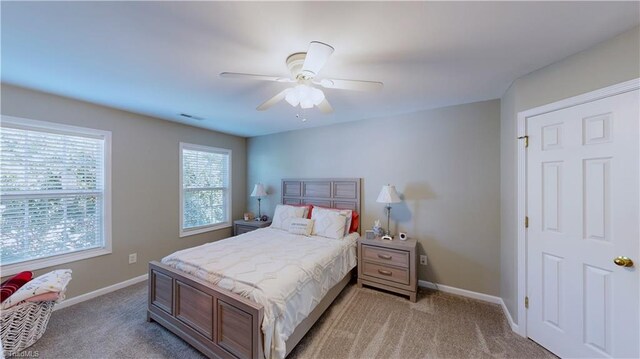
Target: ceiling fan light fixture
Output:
[
  {"x": 292, "y": 97},
  {"x": 317, "y": 96},
  {"x": 306, "y": 103},
  {"x": 304, "y": 95}
]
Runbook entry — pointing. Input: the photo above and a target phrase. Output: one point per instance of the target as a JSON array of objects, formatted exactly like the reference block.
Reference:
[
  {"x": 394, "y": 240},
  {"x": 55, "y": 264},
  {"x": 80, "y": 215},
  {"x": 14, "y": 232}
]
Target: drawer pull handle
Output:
[
  {"x": 385, "y": 272},
  {"x": 384, "y": 256}
]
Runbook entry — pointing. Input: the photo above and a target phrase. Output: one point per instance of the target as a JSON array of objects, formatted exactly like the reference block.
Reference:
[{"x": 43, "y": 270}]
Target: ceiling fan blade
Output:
[
  {"x": 325, "y": 106},
  {"x": 272, "y": 101},
  {"x": 236, "y": 75},
  {"x": 316, "y": 57},
  {"x": 350, "y": 84}
]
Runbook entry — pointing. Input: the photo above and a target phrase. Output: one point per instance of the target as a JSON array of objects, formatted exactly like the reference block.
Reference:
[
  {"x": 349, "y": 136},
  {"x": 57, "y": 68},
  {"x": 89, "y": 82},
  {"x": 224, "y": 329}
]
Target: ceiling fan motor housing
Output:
[{"x": 294, "y": 63}]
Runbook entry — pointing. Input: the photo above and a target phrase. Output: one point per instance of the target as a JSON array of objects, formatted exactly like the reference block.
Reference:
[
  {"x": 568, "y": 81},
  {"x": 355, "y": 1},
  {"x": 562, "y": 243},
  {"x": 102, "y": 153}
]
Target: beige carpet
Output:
[
  {"x": 366, "y": 323},
  {"x": 362, "y": 323}
]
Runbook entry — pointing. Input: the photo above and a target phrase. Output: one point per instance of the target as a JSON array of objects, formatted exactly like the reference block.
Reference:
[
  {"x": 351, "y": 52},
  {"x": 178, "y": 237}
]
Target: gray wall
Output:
[
  {"x": 445, "y": 162},
  {"x": 145, "y": 192},
  {"x": 610, "y": 62}
]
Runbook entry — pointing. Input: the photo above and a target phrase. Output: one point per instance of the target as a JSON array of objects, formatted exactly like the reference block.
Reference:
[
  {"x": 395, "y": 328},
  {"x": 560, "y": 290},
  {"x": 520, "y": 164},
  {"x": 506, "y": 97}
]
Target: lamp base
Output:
[
  {"x": 388, "y": 207},
  {"x": 259, "y": 212}
]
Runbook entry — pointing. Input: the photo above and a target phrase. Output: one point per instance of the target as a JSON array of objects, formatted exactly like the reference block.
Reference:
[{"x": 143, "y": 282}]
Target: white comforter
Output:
[{"x": 288, "y": 274}]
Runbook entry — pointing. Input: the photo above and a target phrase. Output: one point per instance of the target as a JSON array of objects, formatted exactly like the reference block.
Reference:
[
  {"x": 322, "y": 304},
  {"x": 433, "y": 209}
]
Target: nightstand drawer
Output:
[
  {"x": 240, "y": 226},
  {"x": 380, "y": 271},
  {"x": 244, "y": 229},
  {"x": 385, "y": 256}
]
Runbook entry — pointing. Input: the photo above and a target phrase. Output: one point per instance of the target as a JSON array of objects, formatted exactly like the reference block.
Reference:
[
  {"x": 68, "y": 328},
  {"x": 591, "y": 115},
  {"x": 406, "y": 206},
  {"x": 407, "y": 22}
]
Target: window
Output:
[
  {"x": 54, "y": 194},
  {"x": 205, "y": 188}
]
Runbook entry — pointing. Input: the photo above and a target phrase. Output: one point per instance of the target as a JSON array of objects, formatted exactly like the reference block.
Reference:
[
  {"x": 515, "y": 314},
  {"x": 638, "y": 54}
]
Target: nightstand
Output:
[
  {"x": 241, "y": 226},
  {"x": 389, "y": 265}
]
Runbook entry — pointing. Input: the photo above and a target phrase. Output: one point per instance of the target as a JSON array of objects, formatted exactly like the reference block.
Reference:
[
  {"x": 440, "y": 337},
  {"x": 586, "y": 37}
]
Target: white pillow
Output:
[
  {"x": 328, "y": 223},
  {"x": 348, "y": 213},
  {"x": 284, "y": 214},
  {"x": 345, "y": 212},
  {"x": 302, "y": 226}
]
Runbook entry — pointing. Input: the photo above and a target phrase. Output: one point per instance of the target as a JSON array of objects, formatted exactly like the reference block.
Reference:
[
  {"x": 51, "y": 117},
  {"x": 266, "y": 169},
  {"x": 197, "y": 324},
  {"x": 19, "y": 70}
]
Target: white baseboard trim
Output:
[
  {"x": 422, "y": 283},
  {"x": 96, "y": 293},
  {"x": 507, "y": 314},
  {"x": 462, "y": 292},
  {"x": 474, "y": 295}
]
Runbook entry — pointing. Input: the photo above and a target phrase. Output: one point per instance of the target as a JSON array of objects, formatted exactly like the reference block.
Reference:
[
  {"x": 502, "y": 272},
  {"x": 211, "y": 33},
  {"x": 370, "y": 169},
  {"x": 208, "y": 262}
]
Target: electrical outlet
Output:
[
  {"x": 133, "y": 257},
  {"x": 423, "y": 259}
]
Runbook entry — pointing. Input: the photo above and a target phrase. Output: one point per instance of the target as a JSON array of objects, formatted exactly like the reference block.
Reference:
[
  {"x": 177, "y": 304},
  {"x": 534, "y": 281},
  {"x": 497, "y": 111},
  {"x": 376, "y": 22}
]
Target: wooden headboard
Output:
[{"x": 343, "y": 193}]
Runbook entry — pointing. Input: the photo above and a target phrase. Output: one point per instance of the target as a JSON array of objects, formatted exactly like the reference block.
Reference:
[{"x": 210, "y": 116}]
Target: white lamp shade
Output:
[
  {"x": 258, "y": 191},
  {"x": 388, "y": 194}
]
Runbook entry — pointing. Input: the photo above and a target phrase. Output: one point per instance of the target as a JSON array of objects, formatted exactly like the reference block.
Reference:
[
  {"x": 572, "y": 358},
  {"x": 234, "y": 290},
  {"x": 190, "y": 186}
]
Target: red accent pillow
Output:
[
  {"x": 11, "y": 285},
  {"x": 355, "y": 222},
  {"x": 304, "y": 205}
]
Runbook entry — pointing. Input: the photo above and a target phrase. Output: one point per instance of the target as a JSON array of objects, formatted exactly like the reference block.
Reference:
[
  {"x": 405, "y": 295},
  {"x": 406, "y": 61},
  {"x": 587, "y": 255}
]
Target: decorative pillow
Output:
[
  {"x": 55, "y": 281},
  {"x": 302, "y": 226},
  {"x": 346, "y": 212},
  {"x": 11, "y": 285},
  {"x": 284, "y": 214},
  {"x": 328, "y": 223}
]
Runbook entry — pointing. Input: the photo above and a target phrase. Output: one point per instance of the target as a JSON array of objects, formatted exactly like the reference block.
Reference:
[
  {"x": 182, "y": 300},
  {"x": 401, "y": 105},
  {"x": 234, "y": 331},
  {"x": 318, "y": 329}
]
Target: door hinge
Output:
[
  {"x": 526, "y": 140},
  {"x": 526, "y": 302},
  {"x": 526, "y": 222}
]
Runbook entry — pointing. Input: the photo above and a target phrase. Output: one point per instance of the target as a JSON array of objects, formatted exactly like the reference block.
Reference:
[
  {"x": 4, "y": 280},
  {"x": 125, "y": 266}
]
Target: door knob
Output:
[{"x": 623, "y": 261}]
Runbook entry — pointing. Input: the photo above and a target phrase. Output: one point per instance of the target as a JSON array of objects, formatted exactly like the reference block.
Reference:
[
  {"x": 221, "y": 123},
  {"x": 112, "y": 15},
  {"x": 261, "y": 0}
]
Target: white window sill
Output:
[
  {"x": 11, "y": 269},
  {"x": 198, "y": 230}
]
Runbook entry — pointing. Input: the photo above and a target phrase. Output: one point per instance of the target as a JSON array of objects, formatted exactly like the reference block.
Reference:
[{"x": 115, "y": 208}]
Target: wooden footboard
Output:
[{"x": 219, "y": 323}]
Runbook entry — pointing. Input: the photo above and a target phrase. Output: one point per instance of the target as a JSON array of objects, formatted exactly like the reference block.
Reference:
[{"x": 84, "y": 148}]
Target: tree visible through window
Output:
[
  {"x": 205, "y": 188},
  {"x": 52, "y": 192}
]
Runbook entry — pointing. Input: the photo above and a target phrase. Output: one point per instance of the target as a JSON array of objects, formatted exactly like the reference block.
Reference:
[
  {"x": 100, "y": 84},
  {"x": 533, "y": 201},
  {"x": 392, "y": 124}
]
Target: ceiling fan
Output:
[{"x": 304, "y": 67}]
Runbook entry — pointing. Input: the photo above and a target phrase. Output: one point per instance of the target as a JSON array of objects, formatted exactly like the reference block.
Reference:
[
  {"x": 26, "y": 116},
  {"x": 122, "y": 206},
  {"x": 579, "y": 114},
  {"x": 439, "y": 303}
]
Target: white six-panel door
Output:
[{"x": 583, "y": 208}]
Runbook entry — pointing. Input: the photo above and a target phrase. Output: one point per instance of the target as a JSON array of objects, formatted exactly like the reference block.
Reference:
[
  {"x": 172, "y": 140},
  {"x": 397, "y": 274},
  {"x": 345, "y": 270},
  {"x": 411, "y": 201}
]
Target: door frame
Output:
[{"x": 521, "y": 244}]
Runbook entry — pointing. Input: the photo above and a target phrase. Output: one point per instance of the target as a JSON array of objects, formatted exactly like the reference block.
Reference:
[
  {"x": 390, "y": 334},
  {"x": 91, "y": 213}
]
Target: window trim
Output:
[
  {"x": 52, "y": 127},
  {"x": 182, "y": 232}
]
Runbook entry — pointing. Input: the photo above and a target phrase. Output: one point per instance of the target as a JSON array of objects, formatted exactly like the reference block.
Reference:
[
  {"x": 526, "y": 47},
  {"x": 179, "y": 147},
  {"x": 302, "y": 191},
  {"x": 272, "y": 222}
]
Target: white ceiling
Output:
[{"x": 163, "y": 58}]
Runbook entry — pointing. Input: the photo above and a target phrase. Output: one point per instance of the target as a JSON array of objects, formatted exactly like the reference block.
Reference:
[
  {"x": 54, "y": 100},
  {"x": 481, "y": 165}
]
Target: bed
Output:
[{"x": 233, "y": 319}]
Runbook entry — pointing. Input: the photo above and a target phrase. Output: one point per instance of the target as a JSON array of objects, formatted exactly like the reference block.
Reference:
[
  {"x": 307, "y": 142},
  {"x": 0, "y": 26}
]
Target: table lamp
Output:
[
  {"x": 388, "y": 195},
  {"x": 258, "y": 191}
]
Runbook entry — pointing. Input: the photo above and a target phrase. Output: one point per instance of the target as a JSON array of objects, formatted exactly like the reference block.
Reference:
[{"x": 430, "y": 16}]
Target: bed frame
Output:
[{"x": 223, "y": 324}]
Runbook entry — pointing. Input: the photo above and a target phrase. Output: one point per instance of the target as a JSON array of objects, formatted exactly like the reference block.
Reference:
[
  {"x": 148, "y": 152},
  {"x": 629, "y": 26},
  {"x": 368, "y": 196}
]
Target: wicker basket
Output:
[{"x": 23, "y": 324}]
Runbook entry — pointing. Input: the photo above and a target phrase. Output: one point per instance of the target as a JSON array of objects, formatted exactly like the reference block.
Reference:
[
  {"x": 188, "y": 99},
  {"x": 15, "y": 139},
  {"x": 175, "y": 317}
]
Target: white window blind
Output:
[
  {"x": 52, "y": 198},
  {"x": 205, "y": 188}
]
